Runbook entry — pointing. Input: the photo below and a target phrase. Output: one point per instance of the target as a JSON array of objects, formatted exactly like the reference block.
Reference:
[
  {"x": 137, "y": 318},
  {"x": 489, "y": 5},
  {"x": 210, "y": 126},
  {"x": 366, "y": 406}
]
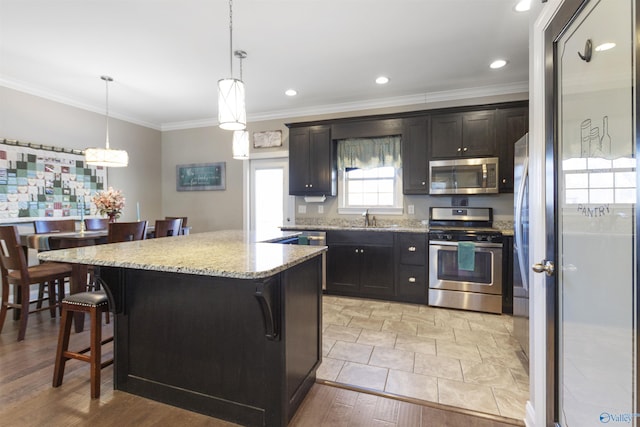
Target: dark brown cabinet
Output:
[
  {"x": 512, "y": 124},
  {"x": 360, "y": 263},
  {"x": 469, "y": 134},
  {"x": 411, "y": 278},
  {"x": 312, "y": 162},
  {"x": 415, "y": 152}
]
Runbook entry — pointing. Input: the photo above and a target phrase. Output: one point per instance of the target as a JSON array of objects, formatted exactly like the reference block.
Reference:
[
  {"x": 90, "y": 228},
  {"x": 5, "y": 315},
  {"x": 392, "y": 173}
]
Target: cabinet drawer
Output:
[
  {"x": 412, "y": 248},
  {"x": 360, "y": 237},
  {"x": 412, "y": 283}
]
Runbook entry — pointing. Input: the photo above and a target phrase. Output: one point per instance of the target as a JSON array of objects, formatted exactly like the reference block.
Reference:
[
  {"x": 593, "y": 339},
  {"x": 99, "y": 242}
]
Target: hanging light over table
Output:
[
  {"x": 232, "y": 114},
  {"x": 106, "y": 156}
]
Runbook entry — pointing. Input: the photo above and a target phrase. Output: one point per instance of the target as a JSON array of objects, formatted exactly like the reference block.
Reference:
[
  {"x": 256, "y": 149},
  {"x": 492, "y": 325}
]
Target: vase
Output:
[{"x": 112, "y": 217}]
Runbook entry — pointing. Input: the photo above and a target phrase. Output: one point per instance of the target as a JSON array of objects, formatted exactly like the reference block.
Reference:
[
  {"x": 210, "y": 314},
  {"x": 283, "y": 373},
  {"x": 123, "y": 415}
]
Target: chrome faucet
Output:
[{"x": 366, "y": 218}]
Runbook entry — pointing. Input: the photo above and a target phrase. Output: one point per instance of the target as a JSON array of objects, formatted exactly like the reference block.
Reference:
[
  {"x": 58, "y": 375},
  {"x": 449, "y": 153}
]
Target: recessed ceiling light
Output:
[
  {"x": 605, "y": 46},
  {"x": 382, "y": 80},
  {"x": 523, "y": 6},
  {"x": 498, "y": 63},
  {"x": 291, "y": 92}
]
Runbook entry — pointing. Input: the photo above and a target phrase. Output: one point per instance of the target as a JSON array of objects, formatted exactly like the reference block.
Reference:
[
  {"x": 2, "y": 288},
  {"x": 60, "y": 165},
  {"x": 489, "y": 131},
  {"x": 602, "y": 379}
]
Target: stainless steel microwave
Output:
[{"x": 464, "y": 176}]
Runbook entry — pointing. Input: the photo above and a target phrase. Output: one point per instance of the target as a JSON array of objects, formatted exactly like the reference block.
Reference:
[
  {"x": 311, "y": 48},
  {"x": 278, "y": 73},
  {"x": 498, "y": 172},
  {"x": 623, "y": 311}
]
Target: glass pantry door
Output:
[{"x": 596, "y": 218}]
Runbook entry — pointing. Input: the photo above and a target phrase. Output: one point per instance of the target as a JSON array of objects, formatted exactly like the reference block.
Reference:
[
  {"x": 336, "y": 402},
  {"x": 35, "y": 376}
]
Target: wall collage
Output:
[{"x": 46, "y": 182}]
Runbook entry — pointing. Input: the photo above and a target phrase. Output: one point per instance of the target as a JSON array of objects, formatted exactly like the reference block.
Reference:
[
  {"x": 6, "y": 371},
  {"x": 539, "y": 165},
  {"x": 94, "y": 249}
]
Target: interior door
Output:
[
  {"x": 592, "y": 227},
  {"x": 270, "y": 205}
]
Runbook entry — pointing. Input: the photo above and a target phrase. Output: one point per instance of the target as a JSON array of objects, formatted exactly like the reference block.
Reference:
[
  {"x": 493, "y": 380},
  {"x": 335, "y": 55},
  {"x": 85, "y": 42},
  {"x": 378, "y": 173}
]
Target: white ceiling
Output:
[{"x": 165, "y": 56}]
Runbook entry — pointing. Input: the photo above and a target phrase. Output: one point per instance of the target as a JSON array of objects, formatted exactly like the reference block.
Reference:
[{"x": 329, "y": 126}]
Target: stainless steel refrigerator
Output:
[{"x": 521, "y": 243}]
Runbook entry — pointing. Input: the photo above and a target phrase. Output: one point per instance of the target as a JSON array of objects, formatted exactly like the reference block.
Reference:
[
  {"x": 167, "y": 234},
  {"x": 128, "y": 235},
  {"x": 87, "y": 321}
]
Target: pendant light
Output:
[
  {"x": 232, "y": 114},
  {"x": 106, "y": 156},
  {"x": 241, "y": 145}
]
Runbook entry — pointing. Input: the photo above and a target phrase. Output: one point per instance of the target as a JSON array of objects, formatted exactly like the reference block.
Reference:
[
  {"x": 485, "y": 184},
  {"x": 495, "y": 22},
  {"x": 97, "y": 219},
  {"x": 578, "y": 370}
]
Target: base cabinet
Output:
[
  {"x": 412, "y": 277},
  {"x": 242, "y": 350},
  {"x": 360, "y": 263},
  {"x": 378, "y": 264}
]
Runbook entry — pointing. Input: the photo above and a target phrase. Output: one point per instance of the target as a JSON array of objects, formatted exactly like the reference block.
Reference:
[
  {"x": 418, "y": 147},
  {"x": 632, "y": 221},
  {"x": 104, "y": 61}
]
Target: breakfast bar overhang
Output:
[{"x": 212, "y": 322}]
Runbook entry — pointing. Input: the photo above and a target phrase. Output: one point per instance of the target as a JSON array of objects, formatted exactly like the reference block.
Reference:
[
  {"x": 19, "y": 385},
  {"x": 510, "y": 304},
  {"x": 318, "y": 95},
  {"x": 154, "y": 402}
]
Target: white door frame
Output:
[
  {"x": 536, "y": 409},
  {"x": 246, "y": 174}
]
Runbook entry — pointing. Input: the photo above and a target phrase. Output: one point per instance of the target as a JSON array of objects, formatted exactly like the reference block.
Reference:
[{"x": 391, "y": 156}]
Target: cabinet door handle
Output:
[
  {"x": 412, "y": 280},
  {"x": 465, "y": 149},
  {"x": 268, "y": 303},
  {"x": 459, "y": 150},
  {"x": 310, "y": 185},
  {"x": 412, "y": 248},
  {"x": 424, "y": 183},
  {"x": 504, "y": 180}
]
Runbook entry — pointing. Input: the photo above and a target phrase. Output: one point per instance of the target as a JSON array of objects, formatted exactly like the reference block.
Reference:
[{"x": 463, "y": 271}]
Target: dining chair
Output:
[
  {"x": 126, "y": 231},
  {"x": 54, "y": 225},
  {"x": 184, "y": 222},
  {"x": 17, "y": 273},
  {"x": 168, "y": 227},
  {"x": 95, "y": 224}
]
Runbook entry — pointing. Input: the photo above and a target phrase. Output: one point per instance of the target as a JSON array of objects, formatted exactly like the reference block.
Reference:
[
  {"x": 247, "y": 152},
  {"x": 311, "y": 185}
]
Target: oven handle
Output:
[{"x": 478, "y": 244}]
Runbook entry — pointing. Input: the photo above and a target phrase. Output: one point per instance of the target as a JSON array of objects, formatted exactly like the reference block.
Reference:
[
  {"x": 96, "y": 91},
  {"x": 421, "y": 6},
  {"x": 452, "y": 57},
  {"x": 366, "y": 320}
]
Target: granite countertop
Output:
[
  {"x": 393, "y": 228},
  {"x": 230, "y": 253},
  {"x": 505, "y": 227}
]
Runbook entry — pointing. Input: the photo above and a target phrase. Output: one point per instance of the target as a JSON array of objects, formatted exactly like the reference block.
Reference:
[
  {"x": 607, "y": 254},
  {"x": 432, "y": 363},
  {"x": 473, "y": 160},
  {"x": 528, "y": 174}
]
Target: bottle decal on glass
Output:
[
  {"x": 605, "y": 141},
  {"x": 592, "y": 143}
]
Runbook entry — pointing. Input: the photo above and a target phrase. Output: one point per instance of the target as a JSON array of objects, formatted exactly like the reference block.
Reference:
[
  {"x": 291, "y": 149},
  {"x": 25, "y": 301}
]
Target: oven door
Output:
[{"x": 485, "y": 277}]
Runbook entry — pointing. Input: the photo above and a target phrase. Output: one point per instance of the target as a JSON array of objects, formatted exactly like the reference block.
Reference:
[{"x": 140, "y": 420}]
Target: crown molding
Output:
[
  {"x": 51, "y": 96},
  {"x": 418, "y": 99}
]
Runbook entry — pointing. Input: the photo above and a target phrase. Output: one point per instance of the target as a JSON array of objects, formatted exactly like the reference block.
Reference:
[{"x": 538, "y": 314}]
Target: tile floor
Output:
[{"x": 460, "y": 358}]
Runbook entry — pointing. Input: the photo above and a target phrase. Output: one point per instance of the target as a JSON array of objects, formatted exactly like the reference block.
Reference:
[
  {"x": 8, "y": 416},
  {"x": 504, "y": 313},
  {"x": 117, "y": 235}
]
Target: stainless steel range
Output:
[{"x": 465, "y": 259}]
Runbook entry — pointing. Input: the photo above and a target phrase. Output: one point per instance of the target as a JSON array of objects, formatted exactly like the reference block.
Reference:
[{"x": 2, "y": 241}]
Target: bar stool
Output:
[{"x": 94, "y": 303}]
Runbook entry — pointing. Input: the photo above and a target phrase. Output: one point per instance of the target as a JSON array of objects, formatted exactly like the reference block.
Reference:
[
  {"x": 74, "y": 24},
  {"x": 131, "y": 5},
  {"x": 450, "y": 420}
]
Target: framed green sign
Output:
[{"x": 201, "y": 177}]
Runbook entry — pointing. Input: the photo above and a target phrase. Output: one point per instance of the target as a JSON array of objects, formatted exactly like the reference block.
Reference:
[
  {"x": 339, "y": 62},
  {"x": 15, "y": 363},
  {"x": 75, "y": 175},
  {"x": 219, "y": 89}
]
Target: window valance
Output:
[{"x": 368, "y": 153}]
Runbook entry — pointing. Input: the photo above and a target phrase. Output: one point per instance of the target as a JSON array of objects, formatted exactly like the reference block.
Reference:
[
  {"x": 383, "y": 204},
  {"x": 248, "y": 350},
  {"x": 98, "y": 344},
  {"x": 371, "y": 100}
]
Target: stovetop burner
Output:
[
  {"x": 465, "y": 235},
  {"x": 460, "y": 224}
]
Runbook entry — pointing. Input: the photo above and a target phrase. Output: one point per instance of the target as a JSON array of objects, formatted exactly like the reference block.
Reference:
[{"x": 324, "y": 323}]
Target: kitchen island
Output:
[{"x": 213, "y": 322}]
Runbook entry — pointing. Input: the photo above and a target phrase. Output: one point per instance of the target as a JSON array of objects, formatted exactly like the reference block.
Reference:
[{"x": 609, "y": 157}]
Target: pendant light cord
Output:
[
  {"x": 107, "y": 79},
  {"x": 231, "y": 36}
]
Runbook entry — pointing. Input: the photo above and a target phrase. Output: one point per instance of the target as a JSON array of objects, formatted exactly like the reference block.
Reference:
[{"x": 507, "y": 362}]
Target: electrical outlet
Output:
[
  {"x": 320, "y": 209},
  {"x": 412, "y": 209},
  {"x": 302, "y": 209}
]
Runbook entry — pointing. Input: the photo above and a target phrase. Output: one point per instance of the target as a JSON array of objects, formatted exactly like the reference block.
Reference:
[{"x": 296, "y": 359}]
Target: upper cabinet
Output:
[
  {"x": 469, "y": 134},
  {"x": 512, "y": 124},
  {"x": 415, "y": 152},
  {"x": 481, "y": 131},
  {"x": 312, "y": 162}
]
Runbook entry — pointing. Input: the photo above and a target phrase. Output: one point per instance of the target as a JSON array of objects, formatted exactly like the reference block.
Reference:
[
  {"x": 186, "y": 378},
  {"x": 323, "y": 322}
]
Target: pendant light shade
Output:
[
  {"x": 106, "y": 156},
  {"x": 241, "y": 145},
  {"x": 232, "y": 114}
]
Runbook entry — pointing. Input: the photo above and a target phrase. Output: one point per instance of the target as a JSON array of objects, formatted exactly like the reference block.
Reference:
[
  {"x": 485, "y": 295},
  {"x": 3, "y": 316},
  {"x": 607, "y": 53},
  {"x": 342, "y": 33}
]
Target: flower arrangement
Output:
[{"x": 109, "y": 202}]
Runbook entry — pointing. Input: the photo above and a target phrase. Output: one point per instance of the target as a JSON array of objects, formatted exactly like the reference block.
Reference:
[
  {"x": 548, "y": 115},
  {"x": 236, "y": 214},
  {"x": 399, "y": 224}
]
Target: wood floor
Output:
[{"x": 27, "y": 398}]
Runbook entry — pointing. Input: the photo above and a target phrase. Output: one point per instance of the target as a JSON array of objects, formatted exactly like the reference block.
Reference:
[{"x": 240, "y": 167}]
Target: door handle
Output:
[{"x": 544, "y": 267}]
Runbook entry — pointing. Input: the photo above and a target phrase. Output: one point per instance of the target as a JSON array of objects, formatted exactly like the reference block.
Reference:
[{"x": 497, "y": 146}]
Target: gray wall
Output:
[
  {"x": 37, "y": 120},
  {"x": 216, "y": 210},
  {"x": 150, "y": 178}
]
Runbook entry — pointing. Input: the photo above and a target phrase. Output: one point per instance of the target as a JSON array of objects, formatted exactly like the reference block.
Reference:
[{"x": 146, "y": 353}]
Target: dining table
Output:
[
  {"x": 66, "y": 240},
  {"x": 73, "y": 239}
]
